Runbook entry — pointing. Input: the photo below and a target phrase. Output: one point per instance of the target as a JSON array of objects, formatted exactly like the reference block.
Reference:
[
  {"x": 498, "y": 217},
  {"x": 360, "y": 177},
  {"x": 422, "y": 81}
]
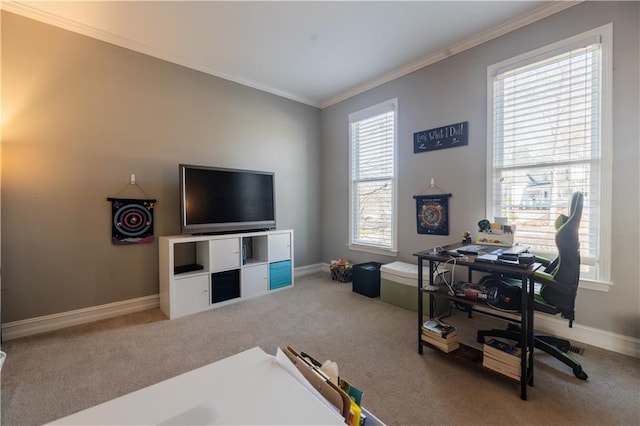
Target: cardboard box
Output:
[{"x": 499, "y": 235}]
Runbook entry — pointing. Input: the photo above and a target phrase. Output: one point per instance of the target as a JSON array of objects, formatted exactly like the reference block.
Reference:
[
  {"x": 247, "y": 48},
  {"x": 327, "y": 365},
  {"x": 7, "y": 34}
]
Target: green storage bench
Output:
[{"x": 399, "y": 286}]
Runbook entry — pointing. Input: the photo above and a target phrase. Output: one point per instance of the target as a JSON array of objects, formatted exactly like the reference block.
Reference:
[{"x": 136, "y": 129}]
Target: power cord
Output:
[
  {"x": 433, "y": 286},
  {"x": 453, "y": 261},
  {"x": 453, "y": 271}
]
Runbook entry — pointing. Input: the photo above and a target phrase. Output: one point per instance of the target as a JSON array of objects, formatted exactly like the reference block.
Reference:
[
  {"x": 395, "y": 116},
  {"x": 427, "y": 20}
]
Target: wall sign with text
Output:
[{"x": 442, "y": 137}]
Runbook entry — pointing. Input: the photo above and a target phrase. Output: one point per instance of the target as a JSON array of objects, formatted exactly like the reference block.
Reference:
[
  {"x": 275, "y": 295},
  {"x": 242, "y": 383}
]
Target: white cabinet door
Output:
[
  {"x": 225, "y": 254},
  {"x": 191, "y": 295},
  {"x": 254, "y": 280},
  {"x": 279, "y": 247}
]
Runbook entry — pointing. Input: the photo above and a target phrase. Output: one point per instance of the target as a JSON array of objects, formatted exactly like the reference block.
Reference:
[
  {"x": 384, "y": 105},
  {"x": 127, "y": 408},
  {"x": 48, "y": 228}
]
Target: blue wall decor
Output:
[{"x": 432, "y": 213}]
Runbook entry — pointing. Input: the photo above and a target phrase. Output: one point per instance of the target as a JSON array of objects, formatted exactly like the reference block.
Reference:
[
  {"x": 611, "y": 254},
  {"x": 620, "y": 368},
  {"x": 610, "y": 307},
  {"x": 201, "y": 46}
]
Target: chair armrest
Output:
[
  {"x": 550, "y": 265},
  {"x": 546, "y": 279},
  {"x": 543, "y": 277},
  {"x": 545, "y": 262}
]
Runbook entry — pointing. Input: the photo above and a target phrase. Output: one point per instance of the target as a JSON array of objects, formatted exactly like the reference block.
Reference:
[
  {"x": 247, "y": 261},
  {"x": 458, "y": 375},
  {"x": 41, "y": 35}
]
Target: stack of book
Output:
[
  {"x": 502, "y": 357},
  {"x": 441, "y": 335}
]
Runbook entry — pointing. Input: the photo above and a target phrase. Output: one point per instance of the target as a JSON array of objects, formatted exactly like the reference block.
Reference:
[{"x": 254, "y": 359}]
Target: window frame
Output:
[
  {"x": 372, "y": 111},
  {"x": 602, "y": 281}
]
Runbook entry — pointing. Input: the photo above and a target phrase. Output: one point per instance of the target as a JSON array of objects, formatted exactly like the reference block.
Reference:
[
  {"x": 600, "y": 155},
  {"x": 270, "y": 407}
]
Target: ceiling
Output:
[{"x": 318, "y": 53}]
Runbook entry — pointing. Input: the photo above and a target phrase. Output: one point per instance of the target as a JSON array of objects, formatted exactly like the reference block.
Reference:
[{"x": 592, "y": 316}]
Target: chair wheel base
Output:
[{"x": 580, "y": 374}]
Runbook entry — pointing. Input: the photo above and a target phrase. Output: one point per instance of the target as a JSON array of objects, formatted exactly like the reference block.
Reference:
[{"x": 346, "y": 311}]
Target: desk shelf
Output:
[
  {"x": 468, "y": 355},
  {"x": 464, "y": 353},
  {"x": 479, "y": 306}
]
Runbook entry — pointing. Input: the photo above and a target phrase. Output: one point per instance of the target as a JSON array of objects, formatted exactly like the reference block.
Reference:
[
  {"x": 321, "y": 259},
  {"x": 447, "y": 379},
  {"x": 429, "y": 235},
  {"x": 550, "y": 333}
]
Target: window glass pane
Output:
[
  {"x": 546, "y": 126},
  {"x": 372, "y": 212},
  {"x": 533, "y": 198},
  {"x": 372, "y": 137}
]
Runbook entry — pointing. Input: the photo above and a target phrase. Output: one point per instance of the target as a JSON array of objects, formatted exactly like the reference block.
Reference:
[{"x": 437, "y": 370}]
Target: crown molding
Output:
[
  {"x": 28, "y": 11},
  {"x": 466, "y": 44}
]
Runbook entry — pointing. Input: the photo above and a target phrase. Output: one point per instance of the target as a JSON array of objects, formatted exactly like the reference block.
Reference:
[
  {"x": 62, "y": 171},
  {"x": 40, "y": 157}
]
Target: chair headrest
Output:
[{"x": 575, "y": 204}]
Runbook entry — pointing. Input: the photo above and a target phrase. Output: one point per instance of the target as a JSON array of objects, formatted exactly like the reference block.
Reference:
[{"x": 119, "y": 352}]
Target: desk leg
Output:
[
  {"x": 524, "y": 337},
  {"x": 530, "y": 329},
  {"x": 432, "y": 277},
  {"x": 527, "y": 335},
  {"x": 420, "y": 305}
]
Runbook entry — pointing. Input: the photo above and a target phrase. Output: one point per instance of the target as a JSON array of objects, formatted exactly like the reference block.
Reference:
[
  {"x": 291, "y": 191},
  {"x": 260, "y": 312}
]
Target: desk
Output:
[
  {"x": 246, "y": 388},
  {"x": 526, "y": 316}
]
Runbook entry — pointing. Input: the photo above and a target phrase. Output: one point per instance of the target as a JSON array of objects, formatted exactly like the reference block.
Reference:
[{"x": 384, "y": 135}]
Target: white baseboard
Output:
[
  {"x": 307, "y": 270},
  {"x": 543, "y": 323},
  {"x": 604, "y": 339},
  {"x": 31, "y": 326},
  {"x": 557, "y": 326},
  {"x": 37, "y": 325}
]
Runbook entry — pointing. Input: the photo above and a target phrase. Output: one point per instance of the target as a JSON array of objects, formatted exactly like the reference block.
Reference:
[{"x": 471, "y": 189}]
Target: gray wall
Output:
[
  {"x": 79, "y": 116},
  {"x": 454, "y": 90}
]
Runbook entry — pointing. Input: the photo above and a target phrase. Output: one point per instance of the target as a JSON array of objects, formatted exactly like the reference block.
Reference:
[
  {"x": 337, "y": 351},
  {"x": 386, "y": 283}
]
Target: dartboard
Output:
[
  {"x": 132, "y": 221},
  {"x": 431, "y": 215}
]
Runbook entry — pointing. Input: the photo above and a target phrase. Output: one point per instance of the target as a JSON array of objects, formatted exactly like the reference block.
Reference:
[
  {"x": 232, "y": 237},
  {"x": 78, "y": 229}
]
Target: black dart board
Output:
[{"x": 132, "y": 221}]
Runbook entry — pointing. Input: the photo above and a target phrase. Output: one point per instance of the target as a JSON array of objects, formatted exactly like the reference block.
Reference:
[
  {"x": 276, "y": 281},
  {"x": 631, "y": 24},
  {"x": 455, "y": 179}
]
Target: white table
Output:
[{"x": 246, "y": 388}]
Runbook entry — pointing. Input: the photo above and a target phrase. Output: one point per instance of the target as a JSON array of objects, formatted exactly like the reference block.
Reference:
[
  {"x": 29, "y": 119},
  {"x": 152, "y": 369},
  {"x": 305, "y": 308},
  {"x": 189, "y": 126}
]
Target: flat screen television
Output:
[{"x": 220, "y": 200}]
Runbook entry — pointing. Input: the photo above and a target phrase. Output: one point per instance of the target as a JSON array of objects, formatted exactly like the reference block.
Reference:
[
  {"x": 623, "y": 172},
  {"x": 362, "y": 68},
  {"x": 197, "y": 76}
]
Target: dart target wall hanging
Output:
[
  {"x": 433, "y": 214},
  {"x": 132, "y": 221}
]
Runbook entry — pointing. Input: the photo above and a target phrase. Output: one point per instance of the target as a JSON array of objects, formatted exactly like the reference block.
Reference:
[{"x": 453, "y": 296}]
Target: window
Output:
[
  {"x": 549, "y": 136},
  {"x": 372, "y": 137}
]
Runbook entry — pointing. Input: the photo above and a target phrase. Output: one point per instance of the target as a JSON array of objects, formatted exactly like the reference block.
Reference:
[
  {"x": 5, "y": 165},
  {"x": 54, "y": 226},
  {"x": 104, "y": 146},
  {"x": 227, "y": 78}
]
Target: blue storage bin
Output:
[{"x": 280, "y": 274}]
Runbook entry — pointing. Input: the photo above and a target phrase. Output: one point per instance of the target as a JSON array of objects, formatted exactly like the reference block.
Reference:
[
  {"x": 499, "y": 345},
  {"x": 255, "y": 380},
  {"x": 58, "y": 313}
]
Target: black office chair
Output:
[{"x": 558, "y": 290}]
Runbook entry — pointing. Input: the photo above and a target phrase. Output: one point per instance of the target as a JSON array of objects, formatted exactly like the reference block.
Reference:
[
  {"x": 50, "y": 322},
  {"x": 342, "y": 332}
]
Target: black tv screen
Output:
[{"x": 215, "y": 200}]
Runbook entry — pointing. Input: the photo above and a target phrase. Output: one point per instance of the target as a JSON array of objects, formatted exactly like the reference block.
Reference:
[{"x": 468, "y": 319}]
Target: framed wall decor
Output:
[
  {"x": 432, "y": 213},
  {"x": 132, "y": 221}
]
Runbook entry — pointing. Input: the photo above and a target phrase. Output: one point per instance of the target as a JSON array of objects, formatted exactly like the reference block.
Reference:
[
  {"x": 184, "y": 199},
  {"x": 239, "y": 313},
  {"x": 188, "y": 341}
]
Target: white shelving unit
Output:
[{"x": 225, "y": 269}]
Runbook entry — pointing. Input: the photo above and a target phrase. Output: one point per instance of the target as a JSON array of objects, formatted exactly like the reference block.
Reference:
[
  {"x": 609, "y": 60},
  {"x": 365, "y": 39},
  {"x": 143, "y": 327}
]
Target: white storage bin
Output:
[{"x": 399, "y": 283}]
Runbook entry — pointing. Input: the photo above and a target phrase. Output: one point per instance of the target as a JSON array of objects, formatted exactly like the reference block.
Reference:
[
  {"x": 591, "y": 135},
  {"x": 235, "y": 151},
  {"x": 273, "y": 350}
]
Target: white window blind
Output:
[
  {"x": 372, "y": 193},
  {"x": 547, "y": 143}
]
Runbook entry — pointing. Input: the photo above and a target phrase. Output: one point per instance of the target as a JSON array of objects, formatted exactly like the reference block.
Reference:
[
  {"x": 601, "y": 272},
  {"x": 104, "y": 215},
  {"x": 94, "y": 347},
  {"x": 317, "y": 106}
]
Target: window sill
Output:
[
  {"x": 373, "y": 250},
  {"x": 595, "y": 285}
]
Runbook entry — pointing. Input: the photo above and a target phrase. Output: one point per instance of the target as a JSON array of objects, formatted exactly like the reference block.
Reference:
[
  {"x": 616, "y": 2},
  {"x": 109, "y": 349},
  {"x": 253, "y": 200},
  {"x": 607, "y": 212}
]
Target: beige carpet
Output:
[{"x": 52, "y": 375}]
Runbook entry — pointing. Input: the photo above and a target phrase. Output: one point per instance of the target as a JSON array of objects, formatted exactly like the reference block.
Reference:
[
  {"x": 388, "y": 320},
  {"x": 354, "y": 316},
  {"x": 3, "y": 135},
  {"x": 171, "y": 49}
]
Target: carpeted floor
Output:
[{"x": 52, "y": 375}]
